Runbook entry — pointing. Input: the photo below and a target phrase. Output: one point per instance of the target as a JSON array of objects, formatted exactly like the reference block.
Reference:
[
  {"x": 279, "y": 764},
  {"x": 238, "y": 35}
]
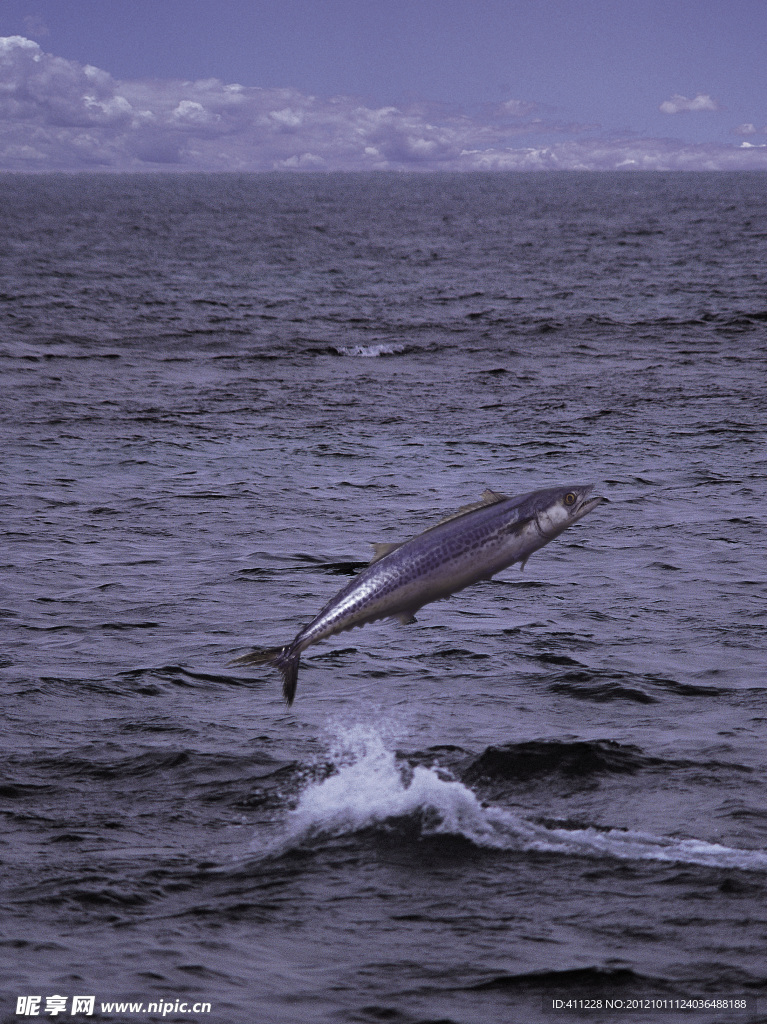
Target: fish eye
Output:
[{"x": 570, "y": 498}]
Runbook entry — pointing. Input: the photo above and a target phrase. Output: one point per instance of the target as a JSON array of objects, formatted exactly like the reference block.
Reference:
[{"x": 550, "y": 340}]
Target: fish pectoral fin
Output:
[
  {"x": 379, "y": 550},
  {"x": 406, "y": 618}
]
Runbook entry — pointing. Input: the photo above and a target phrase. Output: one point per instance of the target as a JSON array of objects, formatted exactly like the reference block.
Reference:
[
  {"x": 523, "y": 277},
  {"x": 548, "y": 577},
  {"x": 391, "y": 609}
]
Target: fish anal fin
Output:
[
  {"x": 406, "y": 618},
  {"x": 380, "y": 550}
]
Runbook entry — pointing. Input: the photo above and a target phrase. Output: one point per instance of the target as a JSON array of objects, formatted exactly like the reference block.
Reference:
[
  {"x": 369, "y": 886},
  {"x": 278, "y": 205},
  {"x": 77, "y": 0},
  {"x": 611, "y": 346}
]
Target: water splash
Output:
[{"x": 371, "y": 787}]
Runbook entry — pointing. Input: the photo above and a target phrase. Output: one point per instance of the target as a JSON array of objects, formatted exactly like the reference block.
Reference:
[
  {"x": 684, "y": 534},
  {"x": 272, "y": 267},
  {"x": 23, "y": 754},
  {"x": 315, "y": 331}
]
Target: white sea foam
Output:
[
  {"x": 371, "y": 788},
  {"x": 371, "y": 351}
]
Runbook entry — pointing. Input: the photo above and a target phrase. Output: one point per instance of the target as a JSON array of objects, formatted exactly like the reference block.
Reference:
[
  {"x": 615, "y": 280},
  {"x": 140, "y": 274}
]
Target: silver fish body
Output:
[{"x": 473, "y": 545}]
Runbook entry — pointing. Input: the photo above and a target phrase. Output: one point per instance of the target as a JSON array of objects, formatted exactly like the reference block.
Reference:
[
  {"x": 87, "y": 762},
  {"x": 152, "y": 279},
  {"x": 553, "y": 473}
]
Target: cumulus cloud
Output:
[
  {"x": 53, "y": 110},
  {"x": 57, "y": 114},
  {"x": 40, "y": 89},
  {"x": 680, "y": 104}
]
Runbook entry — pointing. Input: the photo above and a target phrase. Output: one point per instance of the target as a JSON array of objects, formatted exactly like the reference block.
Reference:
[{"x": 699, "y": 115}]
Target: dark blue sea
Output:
[{"x": 545, "y": 801}]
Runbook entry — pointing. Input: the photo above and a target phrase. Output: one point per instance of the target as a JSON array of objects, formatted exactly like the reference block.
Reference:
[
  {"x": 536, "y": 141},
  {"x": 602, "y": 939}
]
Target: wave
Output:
[
  {"x": 532, "y": 759},
  {"x": 574, "y": 979},
  {"x": 371, "y": 788}
]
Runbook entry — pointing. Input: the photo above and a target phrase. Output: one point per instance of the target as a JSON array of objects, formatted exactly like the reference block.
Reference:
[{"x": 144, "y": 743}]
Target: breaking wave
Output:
[
  {"x": 371, "y": 788},
  {"x": 371, "y": 351}
]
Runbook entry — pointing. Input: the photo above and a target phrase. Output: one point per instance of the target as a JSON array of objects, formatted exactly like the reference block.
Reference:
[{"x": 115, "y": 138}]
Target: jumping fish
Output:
[{"x": 474, "y": 544}]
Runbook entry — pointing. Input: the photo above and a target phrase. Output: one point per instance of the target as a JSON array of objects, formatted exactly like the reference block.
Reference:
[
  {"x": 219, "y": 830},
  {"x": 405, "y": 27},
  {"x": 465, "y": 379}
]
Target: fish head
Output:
[{"x": 560, "y": 507}]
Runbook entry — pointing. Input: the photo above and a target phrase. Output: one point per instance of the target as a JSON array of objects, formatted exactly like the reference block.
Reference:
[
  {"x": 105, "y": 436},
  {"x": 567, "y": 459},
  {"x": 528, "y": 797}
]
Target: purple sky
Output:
[{"x": 366, "y": 84}]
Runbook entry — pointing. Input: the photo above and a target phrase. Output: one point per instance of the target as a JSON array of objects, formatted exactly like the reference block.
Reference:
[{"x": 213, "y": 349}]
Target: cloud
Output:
[
  {"x": 619, "y": 154},
  {"x": 680, "y": 104},
  {"x": 518, "y": 108},
  {"x": 35, "y": 26},
  {"x": 40, "y": 89},
  {"x": 57, "y": 114}
]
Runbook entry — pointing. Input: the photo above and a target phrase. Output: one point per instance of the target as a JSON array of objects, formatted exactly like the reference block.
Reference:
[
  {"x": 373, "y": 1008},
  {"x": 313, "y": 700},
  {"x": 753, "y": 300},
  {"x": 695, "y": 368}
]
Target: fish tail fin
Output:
[{"x": 286, "y": 659}]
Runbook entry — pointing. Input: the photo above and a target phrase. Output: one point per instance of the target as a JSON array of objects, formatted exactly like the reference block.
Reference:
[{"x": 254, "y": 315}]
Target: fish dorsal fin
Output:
[
  {"x": 488, "y": 498},
  {"x": 492, "y": 497},
  {"x": 380, "y": 550}
]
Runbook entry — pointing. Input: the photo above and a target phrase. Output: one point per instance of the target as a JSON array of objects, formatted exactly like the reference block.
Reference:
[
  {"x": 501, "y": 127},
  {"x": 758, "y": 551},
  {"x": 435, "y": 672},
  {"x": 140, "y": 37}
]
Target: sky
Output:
[{"x": 260, "y": 85}]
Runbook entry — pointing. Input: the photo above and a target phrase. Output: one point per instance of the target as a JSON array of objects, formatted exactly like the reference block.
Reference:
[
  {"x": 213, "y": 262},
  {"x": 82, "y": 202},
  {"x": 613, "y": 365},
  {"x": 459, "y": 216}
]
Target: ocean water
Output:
[{"x": 216, "y": 392}]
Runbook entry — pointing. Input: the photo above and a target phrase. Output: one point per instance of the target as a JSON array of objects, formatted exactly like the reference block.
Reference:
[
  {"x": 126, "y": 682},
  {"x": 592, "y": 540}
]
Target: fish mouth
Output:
[{"x": 588, "y": 504}]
